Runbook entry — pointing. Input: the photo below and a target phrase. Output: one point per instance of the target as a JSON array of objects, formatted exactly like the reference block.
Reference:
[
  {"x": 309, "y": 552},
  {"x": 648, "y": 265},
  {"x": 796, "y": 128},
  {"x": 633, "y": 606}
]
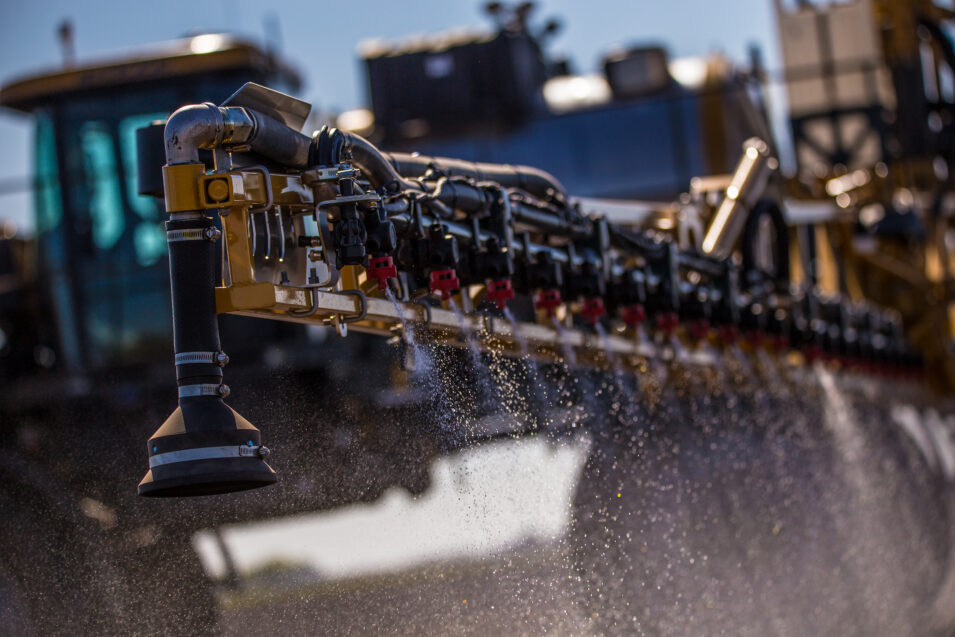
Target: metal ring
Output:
[
  {"x": 220, "y": 390},
  {"x": 190, "y": 234},
  {"x": 208, "y": 453},
  {"x": 427, "y": 310},
  {"x": 192, "y": 358}
]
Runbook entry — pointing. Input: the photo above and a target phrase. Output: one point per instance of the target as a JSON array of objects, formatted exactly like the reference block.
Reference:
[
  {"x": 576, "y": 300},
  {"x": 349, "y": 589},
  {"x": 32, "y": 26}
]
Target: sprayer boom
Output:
[{"x": 330, "y": 230}]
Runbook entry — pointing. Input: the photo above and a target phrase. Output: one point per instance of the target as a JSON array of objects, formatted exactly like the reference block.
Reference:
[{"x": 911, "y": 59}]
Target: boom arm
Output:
[{"x": 331, "y": 230}]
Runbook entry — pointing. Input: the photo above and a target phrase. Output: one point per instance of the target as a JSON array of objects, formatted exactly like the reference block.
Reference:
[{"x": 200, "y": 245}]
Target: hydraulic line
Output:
[{"x": 535, "y": 181}]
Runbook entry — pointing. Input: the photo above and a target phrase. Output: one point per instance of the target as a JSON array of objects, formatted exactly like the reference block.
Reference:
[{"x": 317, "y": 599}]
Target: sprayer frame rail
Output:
[{"x": 446, "y": 327}]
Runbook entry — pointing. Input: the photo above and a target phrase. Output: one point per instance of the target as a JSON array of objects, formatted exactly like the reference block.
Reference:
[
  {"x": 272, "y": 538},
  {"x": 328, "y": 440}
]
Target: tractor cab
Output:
[{"x": 101, "y": 259}]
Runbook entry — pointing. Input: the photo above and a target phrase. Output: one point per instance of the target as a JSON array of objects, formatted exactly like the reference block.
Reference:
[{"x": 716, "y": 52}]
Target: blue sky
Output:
[{"x": 321, "y": 36}]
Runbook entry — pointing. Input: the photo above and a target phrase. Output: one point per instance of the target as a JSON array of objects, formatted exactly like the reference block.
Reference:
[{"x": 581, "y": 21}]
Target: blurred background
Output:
[{"x": 328, "y": 60}]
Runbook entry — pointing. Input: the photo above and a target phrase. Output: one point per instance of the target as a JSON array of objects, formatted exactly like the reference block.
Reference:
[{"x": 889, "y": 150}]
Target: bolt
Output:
[
  {"x": 223, "y": 390},
  {"x": 211, "y": 234},
  {"x": 217, "y": 190},
  {"x": 222, "y": 359},
  {"x": 264, "y": 451},
  {"x": 314, "y": 255}
]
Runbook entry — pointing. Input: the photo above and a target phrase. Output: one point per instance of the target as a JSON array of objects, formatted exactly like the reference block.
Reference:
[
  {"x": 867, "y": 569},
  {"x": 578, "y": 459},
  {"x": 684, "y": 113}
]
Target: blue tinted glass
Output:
[
  {"x": 149, "y": 241},
  {"x": 102, "y": 179},
  {"x": 49, "y": 210}
]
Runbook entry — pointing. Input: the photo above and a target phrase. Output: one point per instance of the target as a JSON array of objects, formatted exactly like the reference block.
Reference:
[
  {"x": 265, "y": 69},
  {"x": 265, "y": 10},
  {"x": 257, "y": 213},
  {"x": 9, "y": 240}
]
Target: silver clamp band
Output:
[
  {"x": 208, "y": 453},
  {"x": 193, "y": 234},
  {"x": 191, "y": 391},
  {"x": 190, "y": 358}
]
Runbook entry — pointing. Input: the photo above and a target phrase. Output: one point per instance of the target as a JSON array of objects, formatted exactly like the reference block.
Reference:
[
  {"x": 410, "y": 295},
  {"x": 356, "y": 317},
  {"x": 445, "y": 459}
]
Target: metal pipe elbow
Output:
[{"x": 191, "y": 128}]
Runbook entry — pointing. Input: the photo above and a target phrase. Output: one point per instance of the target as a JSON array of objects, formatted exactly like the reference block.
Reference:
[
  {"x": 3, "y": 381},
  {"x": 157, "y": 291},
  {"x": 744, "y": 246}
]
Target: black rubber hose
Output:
[
  {"x": 192, "y": 277},
  {"x": 630, "y": 240},
  {"x": 278, "y": 142},
  {"x": 374, "y": 165},
  {"x": 550, "y": 223},
  {"x": 749, "y": 244},
  {"x": 462, "y": 196},
  {"x": 537, "y": 182}
]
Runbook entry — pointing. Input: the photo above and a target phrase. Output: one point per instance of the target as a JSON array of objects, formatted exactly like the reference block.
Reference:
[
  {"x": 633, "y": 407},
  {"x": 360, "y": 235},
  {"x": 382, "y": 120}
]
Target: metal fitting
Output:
[
  {"x": 205, "y": 126},
  {"x": 211, "y": 234},
  {"x": 191, "y": 128},
  {"x": 749, "y": 181},
  {"x": 238, "y": 125}
]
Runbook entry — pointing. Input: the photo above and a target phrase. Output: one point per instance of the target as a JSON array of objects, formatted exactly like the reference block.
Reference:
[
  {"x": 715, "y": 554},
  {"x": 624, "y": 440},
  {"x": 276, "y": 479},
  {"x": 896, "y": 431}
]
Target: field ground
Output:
[{"x": 528, "y": 591}]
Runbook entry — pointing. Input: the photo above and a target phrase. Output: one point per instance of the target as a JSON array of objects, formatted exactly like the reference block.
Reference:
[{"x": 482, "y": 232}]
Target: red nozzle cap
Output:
[
  {"x": 381, "y": 269},
  {"x": 728, "y": 334},
  {"x": 592, "y": 309},
  {"x": 780, "y": 343},
  {"x": 500, "y": 292},
  {"x": 634, "y": 315},
  {"x": 697, "y": 330},
  {"x": 668, "y": 322},
  {"x": 754, "y": 338},
  {"x": 444, "y": 281},
  {"x": 548, "y": 301}
]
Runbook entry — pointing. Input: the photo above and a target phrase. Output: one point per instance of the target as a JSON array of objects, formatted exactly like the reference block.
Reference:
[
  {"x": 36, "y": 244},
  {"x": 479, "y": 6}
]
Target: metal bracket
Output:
[
  {"x": 287, "y": 109},
  {"x": 349, "y": 199},
  {"x": 313, "y": 297},
  {"x": 267, "y": 177},
  {"x": 362, "y": 304},
  {"x": 340, "y": 321}
]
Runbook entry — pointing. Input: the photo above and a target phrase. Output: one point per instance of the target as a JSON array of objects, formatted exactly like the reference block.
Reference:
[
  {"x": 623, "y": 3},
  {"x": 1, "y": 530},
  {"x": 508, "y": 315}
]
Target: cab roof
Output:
[{"x": 203, "y": 53}]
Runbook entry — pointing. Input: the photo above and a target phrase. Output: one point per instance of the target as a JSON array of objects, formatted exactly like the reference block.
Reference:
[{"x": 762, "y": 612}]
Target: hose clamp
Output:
[
  {"x": 220, "y": 359},
  {"x": 191, "y": 391},
  {"x": 193, "y": 234},
  {"x": 208, "y": 453}
]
